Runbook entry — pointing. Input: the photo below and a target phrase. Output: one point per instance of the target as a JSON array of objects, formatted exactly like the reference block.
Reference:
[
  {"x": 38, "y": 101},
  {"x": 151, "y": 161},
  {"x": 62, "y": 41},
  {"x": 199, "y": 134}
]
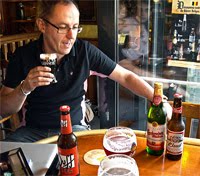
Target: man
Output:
[
  {"x": 134, "y": 22},
  {"x": 27, "y": 80}
]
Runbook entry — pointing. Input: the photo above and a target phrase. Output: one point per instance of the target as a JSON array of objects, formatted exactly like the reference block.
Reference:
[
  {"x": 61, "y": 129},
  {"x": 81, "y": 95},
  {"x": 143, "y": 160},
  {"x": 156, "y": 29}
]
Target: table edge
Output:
[{"x": 139, "y": 133}]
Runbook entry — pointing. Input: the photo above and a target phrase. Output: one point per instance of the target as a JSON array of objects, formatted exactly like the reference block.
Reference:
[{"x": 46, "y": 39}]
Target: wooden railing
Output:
[
  {"x": 11, "y": 42},
  {"x": 190, "y": 111}
]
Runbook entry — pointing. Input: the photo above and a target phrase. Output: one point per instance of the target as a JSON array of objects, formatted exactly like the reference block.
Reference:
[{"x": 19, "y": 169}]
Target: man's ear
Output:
[{"x": 40, "y": 25}]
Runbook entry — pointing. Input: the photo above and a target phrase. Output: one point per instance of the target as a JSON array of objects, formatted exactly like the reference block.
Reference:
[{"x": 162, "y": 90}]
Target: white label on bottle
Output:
[
  {"x": 175, "y": 142},
  {"x": 155, "y": 136}
]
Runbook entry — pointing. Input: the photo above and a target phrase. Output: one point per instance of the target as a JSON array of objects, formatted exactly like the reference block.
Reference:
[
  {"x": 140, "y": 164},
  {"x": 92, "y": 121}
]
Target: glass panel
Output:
[
  {"x": 159, "y": 44},
  {"x": 133, "y": 42},
  {"x": 150, "y": 39},
  {"x": 107, "y": 89}
]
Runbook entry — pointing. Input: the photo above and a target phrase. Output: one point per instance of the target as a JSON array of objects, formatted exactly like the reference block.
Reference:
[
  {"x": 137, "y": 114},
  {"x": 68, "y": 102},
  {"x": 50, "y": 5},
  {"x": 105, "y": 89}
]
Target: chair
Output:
[
  {"x": 8, "y": 45},
  {"x": 190, "y": 111}
]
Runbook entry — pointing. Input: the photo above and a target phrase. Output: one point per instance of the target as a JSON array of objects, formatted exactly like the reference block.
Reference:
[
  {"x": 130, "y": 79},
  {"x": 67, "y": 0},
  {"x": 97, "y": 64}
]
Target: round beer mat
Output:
[{"x": 94, "y": 157}]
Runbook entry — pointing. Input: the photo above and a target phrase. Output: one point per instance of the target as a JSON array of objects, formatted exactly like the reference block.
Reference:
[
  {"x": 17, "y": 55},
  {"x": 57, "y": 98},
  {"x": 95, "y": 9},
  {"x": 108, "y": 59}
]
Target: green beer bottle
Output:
[{"x": 156, "y": 123}]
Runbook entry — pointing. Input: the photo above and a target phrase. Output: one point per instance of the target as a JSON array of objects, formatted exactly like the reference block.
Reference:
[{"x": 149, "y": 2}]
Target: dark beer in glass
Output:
[{"x": 50, "y": 60}]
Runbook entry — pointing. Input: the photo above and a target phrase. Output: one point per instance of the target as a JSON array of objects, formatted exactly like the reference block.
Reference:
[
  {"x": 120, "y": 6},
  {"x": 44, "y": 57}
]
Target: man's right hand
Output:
[{"x": 38, "y": 76}]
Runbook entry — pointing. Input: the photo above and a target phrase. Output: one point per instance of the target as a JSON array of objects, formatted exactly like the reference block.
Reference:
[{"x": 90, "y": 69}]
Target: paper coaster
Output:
[{"x": 94, "y": 157}]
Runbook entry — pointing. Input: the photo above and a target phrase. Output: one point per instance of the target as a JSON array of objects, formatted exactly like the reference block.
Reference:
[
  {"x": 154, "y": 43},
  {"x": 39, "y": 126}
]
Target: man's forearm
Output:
[
  {"x": 132, "y": 82},
  {"x": 140, "y": 87},
  {"x": 11, "y": 101}
]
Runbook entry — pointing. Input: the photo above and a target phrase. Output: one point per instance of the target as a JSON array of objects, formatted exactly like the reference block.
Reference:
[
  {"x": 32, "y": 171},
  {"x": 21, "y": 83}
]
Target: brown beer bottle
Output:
[
  {"x": 175, "y": 131},
  {"x": 67, "y": 145}
]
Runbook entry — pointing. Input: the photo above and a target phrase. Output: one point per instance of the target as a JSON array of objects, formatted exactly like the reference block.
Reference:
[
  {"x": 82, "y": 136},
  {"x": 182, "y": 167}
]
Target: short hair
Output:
[{"x": 46, "y": 7}]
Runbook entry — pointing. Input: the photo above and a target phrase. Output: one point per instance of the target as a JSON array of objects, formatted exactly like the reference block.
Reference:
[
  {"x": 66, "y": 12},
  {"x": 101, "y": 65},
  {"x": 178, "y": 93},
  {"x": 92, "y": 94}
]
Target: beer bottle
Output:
[
  {"x": 156, "y": 123},
  {"x": 192, "y": 38},
  {"x": 67, "y": 145},
  {"x": 184, "y": 24},
  {"x": 175, "y": 51},
  {"x": 175, "y": 131}
]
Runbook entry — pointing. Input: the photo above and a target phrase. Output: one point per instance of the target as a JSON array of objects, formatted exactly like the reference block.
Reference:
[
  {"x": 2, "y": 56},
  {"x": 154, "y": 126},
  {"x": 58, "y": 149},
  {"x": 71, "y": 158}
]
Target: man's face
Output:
[
  {"x": 143, "y": 12},
  {"x": 54, "y": 42}
]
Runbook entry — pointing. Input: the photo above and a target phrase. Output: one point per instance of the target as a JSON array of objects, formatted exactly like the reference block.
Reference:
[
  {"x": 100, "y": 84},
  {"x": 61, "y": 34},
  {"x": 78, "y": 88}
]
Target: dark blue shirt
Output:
[{"x": 43, "y": 103}]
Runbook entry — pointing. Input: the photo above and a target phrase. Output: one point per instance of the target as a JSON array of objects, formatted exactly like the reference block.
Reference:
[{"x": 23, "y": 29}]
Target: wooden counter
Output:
[{"x": 184, "y": 64}]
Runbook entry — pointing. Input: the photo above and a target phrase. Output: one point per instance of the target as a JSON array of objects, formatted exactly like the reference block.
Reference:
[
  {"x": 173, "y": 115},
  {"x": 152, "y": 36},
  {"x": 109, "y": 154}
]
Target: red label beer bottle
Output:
[
  {"x": 156, "y": 123},
  {"x": 175, "y": 131},
  {"x": 67, "y": 145}
]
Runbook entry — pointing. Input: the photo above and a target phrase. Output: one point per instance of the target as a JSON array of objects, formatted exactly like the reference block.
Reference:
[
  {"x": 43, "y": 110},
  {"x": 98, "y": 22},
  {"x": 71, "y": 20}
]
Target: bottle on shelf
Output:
[
  {"x": 67, "y": 145},
  {"x": 20, "y": 11},
  {"x": 184, "y": 23},
  {"x": 175, "y": 50},
  {"x": 156, "y": 123},
  {"x": 192, "y": 37},
  {"x": 193, "y": 54},
  {"x": 181, "y": 52},
  {"x": 198, "y": 51},
  {"x": 175, "y": 131}
]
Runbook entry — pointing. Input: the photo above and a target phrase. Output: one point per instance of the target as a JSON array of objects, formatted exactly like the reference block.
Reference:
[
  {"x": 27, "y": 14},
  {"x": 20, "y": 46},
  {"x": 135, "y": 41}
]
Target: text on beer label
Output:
[
  {"x": 155, "y": 136},
  {"x": 63, "y": 123},
  {"x": 178, "y": 110},
  {"x": 68, "y": 160},
  {"x": 157, "y": 100},
  {"x": 175, "y": 142}
]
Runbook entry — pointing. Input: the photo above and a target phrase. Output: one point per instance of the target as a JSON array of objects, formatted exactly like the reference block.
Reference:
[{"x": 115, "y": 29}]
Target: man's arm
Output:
[
  {"x": 132, "y": 82},
  {"x": 12, "y": 100}
]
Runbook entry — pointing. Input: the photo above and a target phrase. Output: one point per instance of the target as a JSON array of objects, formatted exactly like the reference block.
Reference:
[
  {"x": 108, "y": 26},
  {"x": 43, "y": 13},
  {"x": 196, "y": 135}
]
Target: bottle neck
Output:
[
  {"x": 177, "y": 112},
  {"x": 157, "y": 98},
  {"x": 177, "y": 109},
  {"x": 65, "y": 123}
]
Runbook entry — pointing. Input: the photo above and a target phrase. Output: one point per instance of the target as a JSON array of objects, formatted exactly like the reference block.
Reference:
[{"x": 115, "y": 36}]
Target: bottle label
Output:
[
  {"x": 65, "y": 124},
  {"x": 157, "y": 99},
  {"x": 68, "y": 159},
  {"x": 175, "y": 142},
  {"x": 178, "y": 110},
  {"x": 155, "y": 136}
]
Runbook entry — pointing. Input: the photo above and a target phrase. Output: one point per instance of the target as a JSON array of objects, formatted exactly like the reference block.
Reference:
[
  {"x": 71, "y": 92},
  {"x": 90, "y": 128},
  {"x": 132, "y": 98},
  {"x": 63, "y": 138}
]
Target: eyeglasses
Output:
[{"x": 66, "y": 29}]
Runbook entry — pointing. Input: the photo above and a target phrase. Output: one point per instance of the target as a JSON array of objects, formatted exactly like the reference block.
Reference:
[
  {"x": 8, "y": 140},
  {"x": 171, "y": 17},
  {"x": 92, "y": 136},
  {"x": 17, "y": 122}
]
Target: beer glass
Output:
[
  {"x": 120, "y": 140},
  {"x": 50, "y": 61},
  {"x": 118, "y": 164}
]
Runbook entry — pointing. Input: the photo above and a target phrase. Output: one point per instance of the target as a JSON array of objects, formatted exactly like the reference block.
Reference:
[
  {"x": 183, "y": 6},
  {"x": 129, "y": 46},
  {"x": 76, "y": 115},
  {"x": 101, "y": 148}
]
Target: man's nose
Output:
[{"x": 70, "y": 33}]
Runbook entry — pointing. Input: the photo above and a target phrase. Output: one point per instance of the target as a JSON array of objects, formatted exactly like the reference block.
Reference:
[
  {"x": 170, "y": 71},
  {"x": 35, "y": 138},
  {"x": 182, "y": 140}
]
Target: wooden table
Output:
[{"x": 147, "y": 164}]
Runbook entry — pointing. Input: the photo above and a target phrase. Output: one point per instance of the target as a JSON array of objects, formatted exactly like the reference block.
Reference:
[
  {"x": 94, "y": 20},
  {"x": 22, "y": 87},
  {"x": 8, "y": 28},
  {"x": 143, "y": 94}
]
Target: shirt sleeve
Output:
[{"x": 100, "y": 62}]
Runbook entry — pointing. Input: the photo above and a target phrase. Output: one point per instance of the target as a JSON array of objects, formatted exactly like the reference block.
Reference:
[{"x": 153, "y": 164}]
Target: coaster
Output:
[{"x": 94, "y": 157}]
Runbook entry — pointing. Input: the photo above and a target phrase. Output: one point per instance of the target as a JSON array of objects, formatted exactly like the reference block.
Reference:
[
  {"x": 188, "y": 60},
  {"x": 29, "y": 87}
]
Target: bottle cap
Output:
[
  {"x": 177, "y": 95},
  {"x": 158, "y": 88},
  {"x": 64, "y": 108},
  {"x": 158, "y": 85}
]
